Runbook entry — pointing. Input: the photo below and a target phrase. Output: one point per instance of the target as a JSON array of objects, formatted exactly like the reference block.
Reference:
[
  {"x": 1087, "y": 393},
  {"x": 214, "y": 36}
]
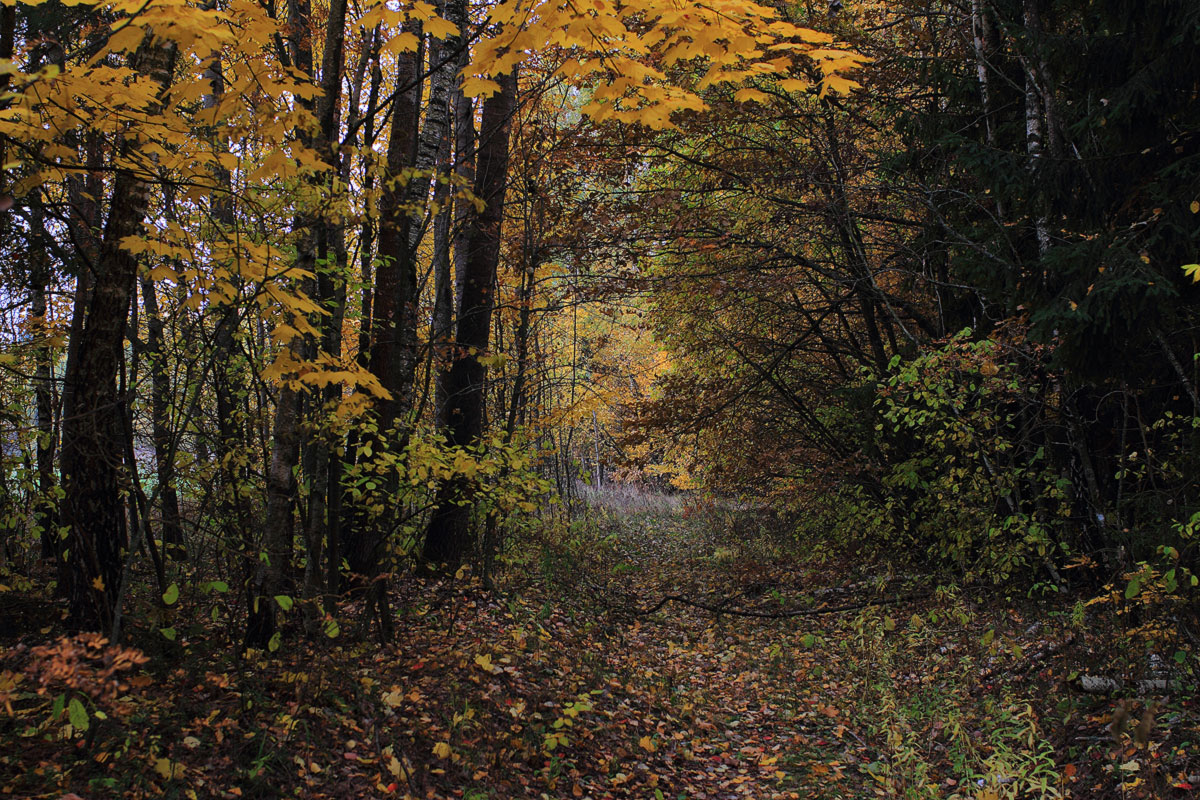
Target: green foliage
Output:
[
  {"x": 1171, "y": 576},
  {"x": 965, "y": 482},
  {"x": 399, "y": 476}
]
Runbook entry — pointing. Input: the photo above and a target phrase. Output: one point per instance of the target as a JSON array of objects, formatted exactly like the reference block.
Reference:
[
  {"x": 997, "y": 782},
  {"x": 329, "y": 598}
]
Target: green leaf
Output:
[
  {"x": 808, "y": 640},
  {"x": 331, "y": 629},
  {"x": 221, "y": 587},
  {"x": 275, "y": 642},
  {"x": 1133, "y": 588},
  {"x": 284, "y": 602},
  {"x": 77, "y": 714},
  {"x": 60, "y": 703},
  {"x": 168, "y": 633},
  {"x": 171, "y": 595},
  {"x": 988, "y": 637}
]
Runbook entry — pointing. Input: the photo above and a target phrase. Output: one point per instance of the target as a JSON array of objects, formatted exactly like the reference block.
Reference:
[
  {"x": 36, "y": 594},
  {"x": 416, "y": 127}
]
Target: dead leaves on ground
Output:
[{"x": 542, "y": 692}]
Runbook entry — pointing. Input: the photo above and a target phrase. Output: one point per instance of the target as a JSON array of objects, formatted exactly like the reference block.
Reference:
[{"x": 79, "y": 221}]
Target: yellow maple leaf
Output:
[
  {"x": 442, "y": 750},
  {"x": 750, "y": 95},
  {"x": 838, "y": 85},
  {"x": 439, "y": 28},
  {"x": 479, "y": 87},
  {"x": 647, "y": 744}
]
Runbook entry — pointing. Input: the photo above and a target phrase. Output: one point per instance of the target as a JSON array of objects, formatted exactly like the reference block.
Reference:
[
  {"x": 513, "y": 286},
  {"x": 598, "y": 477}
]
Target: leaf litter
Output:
[{"x": 561, "y": 686}]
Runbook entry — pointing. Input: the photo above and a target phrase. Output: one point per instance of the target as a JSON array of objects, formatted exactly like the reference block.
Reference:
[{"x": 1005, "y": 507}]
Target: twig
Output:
[{"x": 793, "y": 612}]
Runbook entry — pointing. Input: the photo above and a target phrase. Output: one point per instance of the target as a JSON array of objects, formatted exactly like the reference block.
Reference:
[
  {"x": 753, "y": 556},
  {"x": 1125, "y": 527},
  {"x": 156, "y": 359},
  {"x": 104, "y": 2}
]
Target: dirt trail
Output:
[{"x": 557, "y": 686}]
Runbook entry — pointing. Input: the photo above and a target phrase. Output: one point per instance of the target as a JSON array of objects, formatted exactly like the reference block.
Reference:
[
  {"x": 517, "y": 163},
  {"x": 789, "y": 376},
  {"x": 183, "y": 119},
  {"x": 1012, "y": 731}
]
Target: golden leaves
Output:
[
  {"x": 620, "y": 49},
  {"x": 749, "y": 94},
  {"x": 479, "y": 87},
  {"x": 838, "y": 85}
]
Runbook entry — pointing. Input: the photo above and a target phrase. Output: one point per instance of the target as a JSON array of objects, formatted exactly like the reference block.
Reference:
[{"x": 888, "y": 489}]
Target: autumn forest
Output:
[{"x": 600, "y": 399}]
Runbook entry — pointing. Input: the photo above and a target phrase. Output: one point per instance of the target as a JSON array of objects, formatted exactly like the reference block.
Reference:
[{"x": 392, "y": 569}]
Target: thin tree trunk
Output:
[
  {"x": 268, "y": 578},
  {"x": 983, "y": 39},
  {"x": 331, "y": 295},
  {"x": 45, "y": 509},
  {"x": 8, "y": 29},
  {"x": 160, "y": 394},
  {"x": 269, "y": 571},
  {"x": 394, "y": 352},
  {"x": 353, "y": 528},
  {"x": 464, "y": 168},
  {"x": 1033, "y": 114},
  {"x": 532, "y": 256},
  {"x": 229, "y": 385},
  {"x": 444, "y": 97}
]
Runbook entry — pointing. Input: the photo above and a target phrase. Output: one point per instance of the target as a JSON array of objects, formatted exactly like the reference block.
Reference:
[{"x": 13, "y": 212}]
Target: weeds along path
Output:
[
  {"x": 562, "y": 686},
  {"x": 930, "y": 696}
]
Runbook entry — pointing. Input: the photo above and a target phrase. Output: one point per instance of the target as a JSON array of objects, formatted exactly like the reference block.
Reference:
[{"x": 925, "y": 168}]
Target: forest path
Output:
[
  {"x": 732, "y": 706},
  {"x": 575, "y": 680}
]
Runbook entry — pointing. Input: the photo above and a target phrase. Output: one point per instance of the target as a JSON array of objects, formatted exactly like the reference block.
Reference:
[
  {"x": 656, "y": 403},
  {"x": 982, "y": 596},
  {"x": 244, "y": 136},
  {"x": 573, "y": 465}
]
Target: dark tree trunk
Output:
[
  {"x": 268, "y": 578},
  {"x": 331, "y": 295},
  {"x": 353, "y": 525},
  {"x": 393, "y": 357},
  {"x": 445, "y": 100},
  {"x": 448, "y": 538},
  {"x": 270, "y": 569},
  {"x": 92, "y": 448},
  {"x": 394, "y": 352},
  {"x": 229, "y": 385}
]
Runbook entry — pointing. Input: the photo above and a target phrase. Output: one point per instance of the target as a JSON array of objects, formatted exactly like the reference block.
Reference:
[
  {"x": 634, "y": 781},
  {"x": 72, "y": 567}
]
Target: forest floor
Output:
[{"x": 572, "y": 681}]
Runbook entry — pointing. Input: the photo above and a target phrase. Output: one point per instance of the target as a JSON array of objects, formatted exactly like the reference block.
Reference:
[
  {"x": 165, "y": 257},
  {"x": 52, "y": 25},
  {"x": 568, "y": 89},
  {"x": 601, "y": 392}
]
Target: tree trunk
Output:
[
  {"x": 45, "y": 508},
  {"x": 269, "y": 570},
  {"x": 984, "y": 42},
  {"x": 268, "y": 579},
  {"x": 393, "y": 357},
  {"x": 448, "y": 537},
  {"x": 92, "y": 448},
  {"x": 1033, "y": 115},
  {"x": 331, "y": 295},
  {"x": 160, "y": 394}
]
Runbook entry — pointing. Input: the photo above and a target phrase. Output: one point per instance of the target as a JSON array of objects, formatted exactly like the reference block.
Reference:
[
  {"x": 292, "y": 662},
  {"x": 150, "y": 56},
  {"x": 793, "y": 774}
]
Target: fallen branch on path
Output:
[{"x": 785, "y": 614}]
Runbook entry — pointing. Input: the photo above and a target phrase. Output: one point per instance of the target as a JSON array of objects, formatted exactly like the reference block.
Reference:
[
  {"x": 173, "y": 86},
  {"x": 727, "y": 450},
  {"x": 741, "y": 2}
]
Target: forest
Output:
[{"x": 692, "y": 399}]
